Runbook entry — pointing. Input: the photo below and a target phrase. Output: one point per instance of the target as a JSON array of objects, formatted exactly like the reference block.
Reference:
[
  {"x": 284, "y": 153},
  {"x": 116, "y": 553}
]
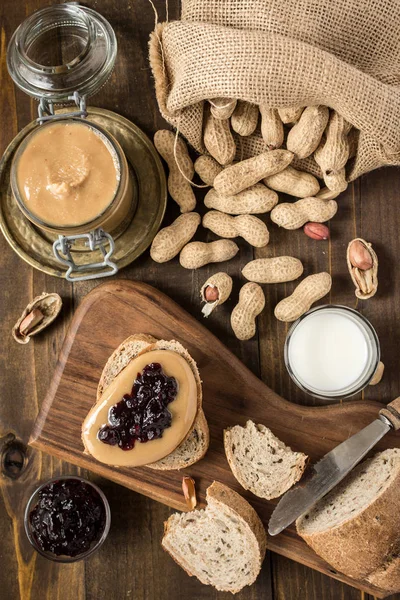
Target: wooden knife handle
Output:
[{"x": 392, "y": 413}]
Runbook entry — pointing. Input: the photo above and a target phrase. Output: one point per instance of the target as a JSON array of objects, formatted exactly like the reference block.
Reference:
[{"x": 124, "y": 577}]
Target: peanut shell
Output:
[
  {"x": 304, "y": 137},
  {"x": 244, "y": 174},
  {"x": 222, "y": 283},
  {"x": 207, "y": 168},
  {"x": 218, "y": 139},
  {"x": 49, "y": 305},
  {"x": 222, "y": 108},
  {"x": 336, "y": 181},
  {"x": 169, "y": 241},
  {"x": 271, "y": 127},
  {"x": 293, "y": 182},
  {"x": 249, "y": 227},
  {"x": 333, "y": 152},
  {"x": 290, "y": 114},
  {"x": 245, "y": 118},
  {"x": 197, "y": 254},
  {"x": 311, "y": 289},
  {"x": 365, "y": 280},
  {"x": 243, "y": 317},
  {"x": 296, "y": 214},
  {"x": 257, "y": 199},
  {"x": 273, "y": 270},
  {"x": 179, "y": 188},
  {"x": 327, "y": 194}
]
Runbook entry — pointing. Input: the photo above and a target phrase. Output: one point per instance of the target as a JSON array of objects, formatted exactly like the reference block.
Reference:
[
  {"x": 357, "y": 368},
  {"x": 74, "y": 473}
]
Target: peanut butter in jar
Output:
[{"x": 69, "y": 176}]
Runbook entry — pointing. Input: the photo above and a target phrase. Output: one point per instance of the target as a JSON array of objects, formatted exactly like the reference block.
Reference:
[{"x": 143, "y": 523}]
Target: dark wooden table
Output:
[{"x": 131, "y": 564}]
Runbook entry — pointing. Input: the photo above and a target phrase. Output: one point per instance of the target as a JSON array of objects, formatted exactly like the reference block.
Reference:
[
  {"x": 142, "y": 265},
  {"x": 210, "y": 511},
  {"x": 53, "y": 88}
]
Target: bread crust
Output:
[
  {"x": 129, "y": 349},
  {"x": 225, "y": 499},
  {"x": 359, "y": 546},
  {"x": 139, "y": 344},
  {"x": 387, "y": 576},
  {"x": 219, "y": 494},
  {"x": 173, "y": 461}
]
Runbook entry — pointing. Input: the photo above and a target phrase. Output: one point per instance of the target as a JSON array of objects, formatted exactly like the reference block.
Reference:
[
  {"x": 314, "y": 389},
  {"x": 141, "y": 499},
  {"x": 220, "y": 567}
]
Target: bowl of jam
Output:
[{"x": 67, "y": 518}]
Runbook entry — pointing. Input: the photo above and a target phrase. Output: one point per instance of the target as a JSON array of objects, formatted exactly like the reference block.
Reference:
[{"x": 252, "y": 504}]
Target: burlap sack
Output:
[{"x": 343, "y": 54}]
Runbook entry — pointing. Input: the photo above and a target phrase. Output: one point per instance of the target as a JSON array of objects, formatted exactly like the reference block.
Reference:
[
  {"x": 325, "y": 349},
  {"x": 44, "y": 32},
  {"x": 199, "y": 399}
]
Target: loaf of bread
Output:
[
  {"x": 260, "y": 461},
  {"x": 195, "y": 445},
  {"x": 387, "y": 576},
  {"x": 356, "y": 527},
  {"x": 222, "y": 545}
]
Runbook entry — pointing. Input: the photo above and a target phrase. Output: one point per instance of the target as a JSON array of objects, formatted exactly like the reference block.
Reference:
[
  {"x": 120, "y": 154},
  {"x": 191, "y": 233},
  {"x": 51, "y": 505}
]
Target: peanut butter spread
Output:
[
  {"x": 183, "y": 410},
  {"x": 67, "y": 174}
]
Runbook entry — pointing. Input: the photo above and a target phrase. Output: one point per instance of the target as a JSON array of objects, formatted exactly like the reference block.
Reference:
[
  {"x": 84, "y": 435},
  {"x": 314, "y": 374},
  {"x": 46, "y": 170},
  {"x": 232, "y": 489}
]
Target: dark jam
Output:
[
  {"x": 141, "y": 415},
  {"x": 68, "y": 517}
]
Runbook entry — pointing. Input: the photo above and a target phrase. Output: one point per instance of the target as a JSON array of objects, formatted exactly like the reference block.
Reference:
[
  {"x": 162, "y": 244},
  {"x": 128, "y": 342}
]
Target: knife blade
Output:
[{"x": 328, "y": 472}]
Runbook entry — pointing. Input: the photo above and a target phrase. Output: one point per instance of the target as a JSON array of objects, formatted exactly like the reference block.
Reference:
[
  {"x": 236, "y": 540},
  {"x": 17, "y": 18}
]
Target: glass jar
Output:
[
  {"x": 58, "y": 55},
  {"x": 95, "y": 545},
  {"x": 114, "y": 218},
  {"x": 62, "y": 49},
  {"x": 332, "y": 352}
]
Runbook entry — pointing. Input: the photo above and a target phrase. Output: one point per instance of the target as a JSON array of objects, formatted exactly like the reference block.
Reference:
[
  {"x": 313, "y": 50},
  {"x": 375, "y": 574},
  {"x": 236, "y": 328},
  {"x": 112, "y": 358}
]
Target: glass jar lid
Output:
[{"x": 60, "y": 50}]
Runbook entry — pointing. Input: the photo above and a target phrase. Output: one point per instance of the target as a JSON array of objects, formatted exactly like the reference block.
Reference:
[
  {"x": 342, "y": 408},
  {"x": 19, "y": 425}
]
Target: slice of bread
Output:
[
  {"x": 357, "y": 525},
  {"x": 260, "y": 461},
  {"x": 191, "y": 450},
  {"x": 222, "y": 545},
  {"x": 195, "y": 445},
  {"x": 121, "y": 357}
]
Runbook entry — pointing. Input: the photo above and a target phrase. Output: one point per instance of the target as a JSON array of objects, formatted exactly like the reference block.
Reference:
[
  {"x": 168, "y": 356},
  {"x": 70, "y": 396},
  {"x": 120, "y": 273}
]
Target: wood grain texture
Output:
[
  {"x": 132, "y": 564},
  {"x": 231, "y": 395}
]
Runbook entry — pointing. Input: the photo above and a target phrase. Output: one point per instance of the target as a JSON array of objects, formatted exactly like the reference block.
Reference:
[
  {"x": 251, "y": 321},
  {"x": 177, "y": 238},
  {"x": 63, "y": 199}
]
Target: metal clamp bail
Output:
[
  {"x": 46, "y": 109},
  {"x": 94, "y": 240}
]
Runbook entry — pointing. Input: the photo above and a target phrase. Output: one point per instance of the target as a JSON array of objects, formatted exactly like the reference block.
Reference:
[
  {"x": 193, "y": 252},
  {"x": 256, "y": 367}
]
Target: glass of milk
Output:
[{"x": 332, "y": 352}]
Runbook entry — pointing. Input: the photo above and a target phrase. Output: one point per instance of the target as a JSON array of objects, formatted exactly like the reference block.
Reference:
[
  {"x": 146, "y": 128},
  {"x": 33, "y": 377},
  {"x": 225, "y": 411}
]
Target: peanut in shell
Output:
[
  {"x": 257, "y": 199},
  {"x": 218, "y": 139},
  {"x": 362, "y": 263},
  {"x": 277, "y": 269},
  {"x": 311, "y": 289},
  {"x": 249, "y": 227},
  {"x": 244, "y": 174},
  {"x": 304, "y": 137},
  {"x": 44, "y": 309},
  {"x": 245, "y": 118},
  {"x": 219, "y": 283}
]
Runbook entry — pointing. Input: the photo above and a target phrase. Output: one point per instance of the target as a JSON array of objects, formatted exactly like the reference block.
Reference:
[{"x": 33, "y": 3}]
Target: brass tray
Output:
[{"x": 35, "y": 246}]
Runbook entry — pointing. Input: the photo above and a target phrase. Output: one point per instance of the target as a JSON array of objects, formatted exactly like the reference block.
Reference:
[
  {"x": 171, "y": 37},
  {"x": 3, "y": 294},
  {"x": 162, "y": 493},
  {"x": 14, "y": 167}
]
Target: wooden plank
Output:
[
  {"x": 130, "y": 552},
  {"x": 360, "y": 213},
  {"x": 26, "y": 371},
  {"x": 227, "y": 400},
  {"x": 293, "y": 580}
]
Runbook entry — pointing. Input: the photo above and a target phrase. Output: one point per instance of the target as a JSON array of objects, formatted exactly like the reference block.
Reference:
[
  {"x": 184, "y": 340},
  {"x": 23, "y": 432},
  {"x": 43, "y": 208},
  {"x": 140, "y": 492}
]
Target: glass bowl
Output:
[
  {"x": 348, "y": 388},
  {"x": 32, "y": 502}
]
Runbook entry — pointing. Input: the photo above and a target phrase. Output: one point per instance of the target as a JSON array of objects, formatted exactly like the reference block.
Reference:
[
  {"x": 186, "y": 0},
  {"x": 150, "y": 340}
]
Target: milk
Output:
[{"x": 331, "y": 350}]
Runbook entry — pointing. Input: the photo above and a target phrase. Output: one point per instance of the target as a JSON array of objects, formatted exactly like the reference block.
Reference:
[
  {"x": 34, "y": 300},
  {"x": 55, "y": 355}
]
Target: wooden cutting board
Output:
[{"x": 232, "y": 394}]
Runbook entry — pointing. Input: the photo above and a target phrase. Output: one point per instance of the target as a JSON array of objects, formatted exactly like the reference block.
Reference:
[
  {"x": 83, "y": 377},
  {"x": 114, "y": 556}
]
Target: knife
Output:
[{"x": 332, "y": 468}]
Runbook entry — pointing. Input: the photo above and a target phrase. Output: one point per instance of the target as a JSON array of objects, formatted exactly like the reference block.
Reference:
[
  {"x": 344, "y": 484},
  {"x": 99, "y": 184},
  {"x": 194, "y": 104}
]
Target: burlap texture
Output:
[{"x": 343, "y": 54}]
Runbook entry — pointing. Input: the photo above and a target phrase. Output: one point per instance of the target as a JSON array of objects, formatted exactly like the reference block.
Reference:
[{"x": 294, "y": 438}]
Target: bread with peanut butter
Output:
[{"x": 195, "y": 444}]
